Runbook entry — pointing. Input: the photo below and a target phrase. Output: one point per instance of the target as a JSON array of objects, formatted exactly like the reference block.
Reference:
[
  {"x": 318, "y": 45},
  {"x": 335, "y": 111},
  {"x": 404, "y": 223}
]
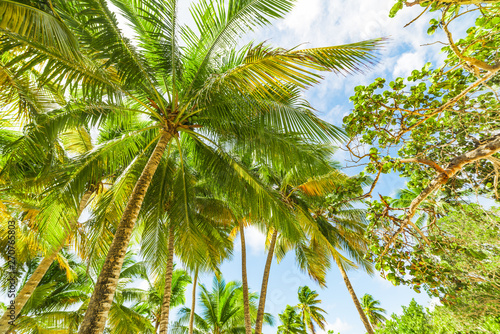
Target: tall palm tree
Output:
[
  {"x": 372, "y": 309},
  {"x": 302, "y": 188},
  {"x": 310, "y": 313},
  {"x": 222, "y": 310},
  {"x": 192, "y": 95},
  {"x": 291, "y": 323},
  {"x": 335, "y": 225}
]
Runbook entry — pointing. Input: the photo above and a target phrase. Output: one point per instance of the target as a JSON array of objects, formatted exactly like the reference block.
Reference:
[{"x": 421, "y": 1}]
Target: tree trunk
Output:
[
  {"x": 355, "y": 299},
  {"x": 265, "y": 280},
  {"x": 246, "y": 302},
  {"x": 165, "y": 307},
  {"x": 27, "y": 290},
  {"x": 104, "y": 291},
  {"x": 193, "y": 303}
]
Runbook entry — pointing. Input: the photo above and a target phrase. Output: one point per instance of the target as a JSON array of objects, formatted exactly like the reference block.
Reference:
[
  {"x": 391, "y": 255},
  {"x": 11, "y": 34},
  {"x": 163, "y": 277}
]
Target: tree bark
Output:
[
  {"x": 165, "y": 308},
  {"x": 355, "y": 299},
  {"x": 100, "y": 302},
  {"x": 265, "y": 280},
  {"x": 27, "y": 290},
  {"x": 246, "y": 302},
  {"x": 193, "y": 302}
]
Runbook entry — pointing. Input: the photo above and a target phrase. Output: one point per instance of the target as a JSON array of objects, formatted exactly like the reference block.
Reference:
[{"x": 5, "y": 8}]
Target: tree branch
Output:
[
  {"x": 482, "y": 152},
  {"x": 473, "y": 61},
  {"x": 425, "y": 162}
]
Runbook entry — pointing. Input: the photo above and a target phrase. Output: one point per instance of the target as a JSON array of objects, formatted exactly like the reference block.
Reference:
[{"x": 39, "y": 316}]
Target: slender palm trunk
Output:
[
  {"x": 265, "y": 280},
  {"x": 104, "y": 291},
  {"x": 246, "y": 303},
  {"x": 28, "y": 288},
  {"x": 165, "y": 307},
  {"x": 193, "y": 302},
  {"x": 362, "y": 314}
]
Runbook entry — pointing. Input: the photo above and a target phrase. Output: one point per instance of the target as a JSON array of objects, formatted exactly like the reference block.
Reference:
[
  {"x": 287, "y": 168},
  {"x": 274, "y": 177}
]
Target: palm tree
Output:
[
  {"x": 300, "y": 187},
  {"x": 309, "y": 312},
  {"x": 343, "y": 228},
  {"x": 372, "y": 310},
  {"x": 336, "y": 226},
  {"x": 291, "y": 323},
  {"x": 222, "y": 310},
  {"x": 193, "y": 95}
]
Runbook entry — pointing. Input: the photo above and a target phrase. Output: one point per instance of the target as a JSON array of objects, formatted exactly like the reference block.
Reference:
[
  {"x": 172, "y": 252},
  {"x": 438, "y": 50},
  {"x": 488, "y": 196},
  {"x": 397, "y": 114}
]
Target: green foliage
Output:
[
  {"x": 291, "y": 322},
  {"x": 414, "y": 320},
  {"x": 461, "y": 266},
  {"x": 429, "y": 128}
]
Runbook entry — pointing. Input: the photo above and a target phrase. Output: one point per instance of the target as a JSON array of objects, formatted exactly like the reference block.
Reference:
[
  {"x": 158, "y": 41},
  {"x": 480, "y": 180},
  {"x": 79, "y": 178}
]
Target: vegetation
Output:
[
  {"x": 419, "y": 321},
  {"x": 124, "y": 152}
]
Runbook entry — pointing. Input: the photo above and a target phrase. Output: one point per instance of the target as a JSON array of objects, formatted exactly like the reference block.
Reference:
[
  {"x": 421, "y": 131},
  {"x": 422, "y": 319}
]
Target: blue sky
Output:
[{"x": 316, "y": 23}]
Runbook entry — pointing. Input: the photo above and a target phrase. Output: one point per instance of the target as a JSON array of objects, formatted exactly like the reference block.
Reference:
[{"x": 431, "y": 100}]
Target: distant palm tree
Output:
[
  {"x": 372, "y": 310},
  {"x": 151, "y": 305},
  {"x": 222, "y": 310},
  {"x": 310, "y": 313},
  {"x": 291, "y": 323}
]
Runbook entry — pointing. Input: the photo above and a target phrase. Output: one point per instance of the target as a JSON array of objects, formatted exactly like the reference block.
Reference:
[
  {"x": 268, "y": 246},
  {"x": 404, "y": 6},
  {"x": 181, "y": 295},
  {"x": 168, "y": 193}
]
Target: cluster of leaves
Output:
[
  {"x": 413, "y": 320},
  {"x": 405, "y": 115}
]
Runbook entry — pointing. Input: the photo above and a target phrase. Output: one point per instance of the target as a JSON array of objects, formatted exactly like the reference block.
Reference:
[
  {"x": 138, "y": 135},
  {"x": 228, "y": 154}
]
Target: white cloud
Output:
[
  {"x": 408, "y": 62},
  {"x": 323, "y": 23},
  {"x": 302, "y": 17},
  {"x": 335, "y": 115},
  {"x": 255, "y": 240},
  {"x": 339, "y": 326}
]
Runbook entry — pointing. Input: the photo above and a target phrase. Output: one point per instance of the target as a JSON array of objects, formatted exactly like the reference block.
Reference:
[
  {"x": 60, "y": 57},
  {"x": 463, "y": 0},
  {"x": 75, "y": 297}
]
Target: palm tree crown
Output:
[
  {"x": 310, "y": 313},
  {"x": 372, "y": 309}
]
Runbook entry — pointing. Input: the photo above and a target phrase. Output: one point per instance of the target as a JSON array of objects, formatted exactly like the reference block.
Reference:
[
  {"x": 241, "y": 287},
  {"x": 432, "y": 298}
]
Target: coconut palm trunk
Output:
[
  {"x": 100, "y": 302},
  {"x": 193, "y": 302},
  {"x": 25, "y": 293},
  {"x": 355, "y": 299},
  {"x": 165, "y": 307},
  {"x": 246, "y": 302},
  {"x": 265, "y": 280}
]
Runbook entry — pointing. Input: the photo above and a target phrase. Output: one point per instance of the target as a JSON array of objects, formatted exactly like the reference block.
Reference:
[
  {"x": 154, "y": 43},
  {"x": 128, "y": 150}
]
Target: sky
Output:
[{"x": 316, "y": 23}]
